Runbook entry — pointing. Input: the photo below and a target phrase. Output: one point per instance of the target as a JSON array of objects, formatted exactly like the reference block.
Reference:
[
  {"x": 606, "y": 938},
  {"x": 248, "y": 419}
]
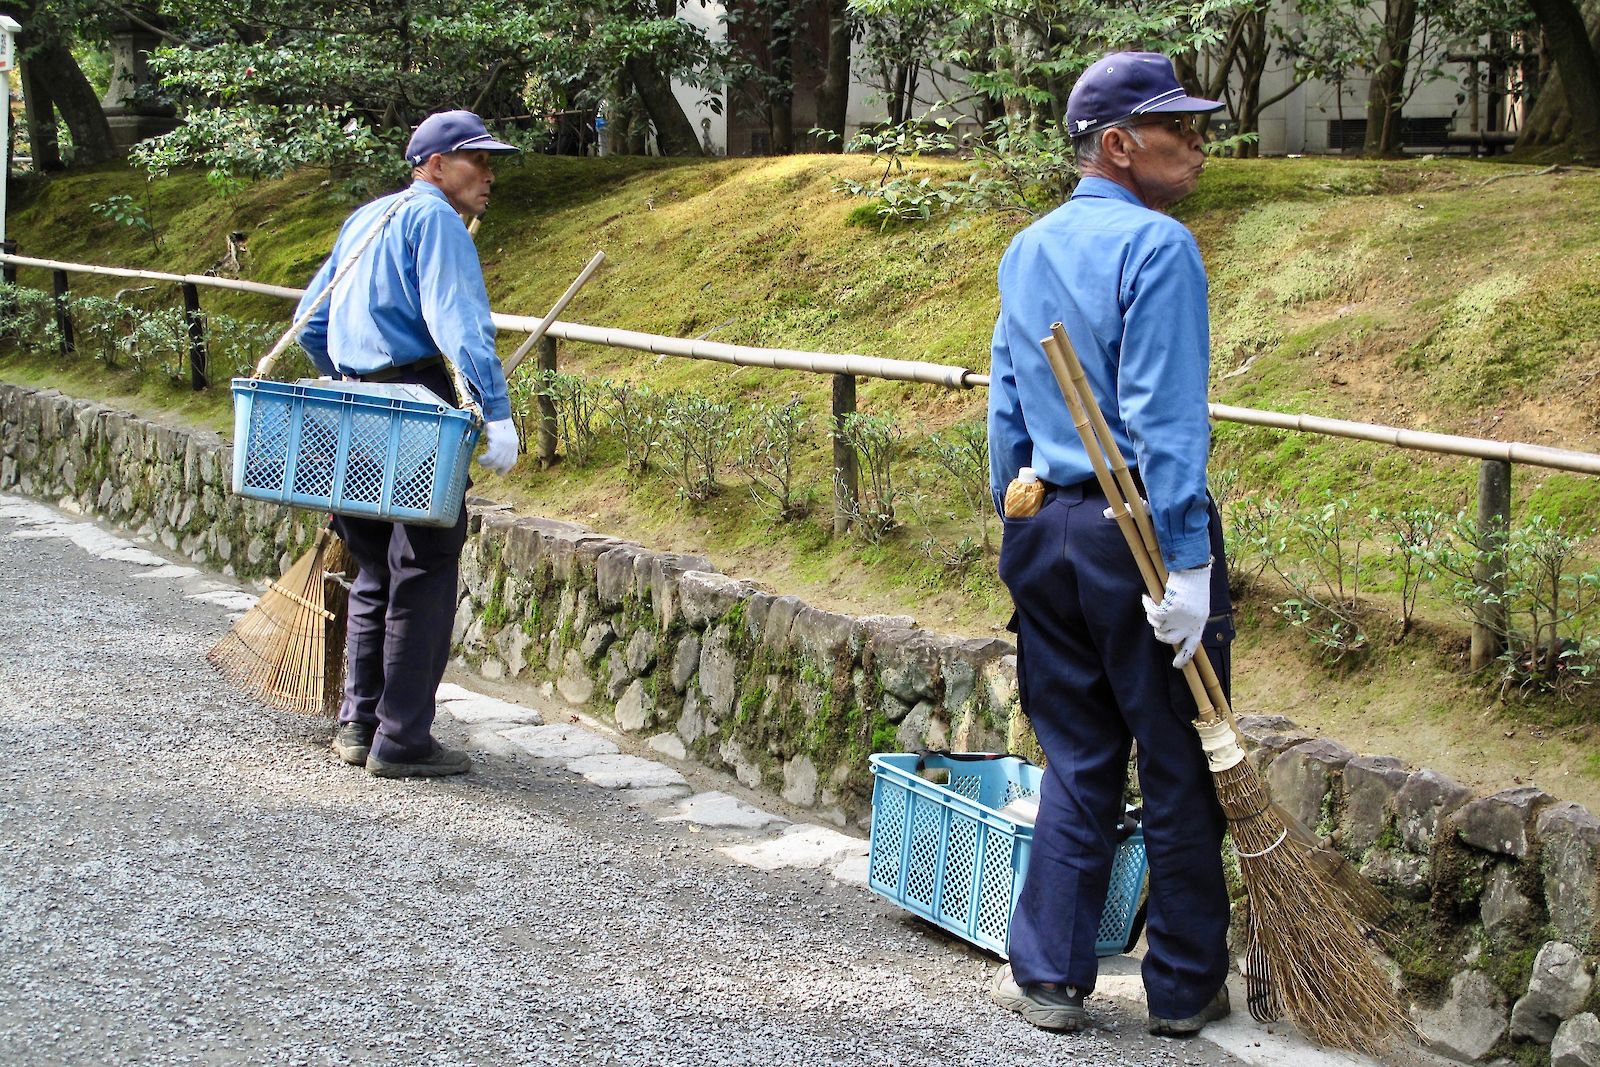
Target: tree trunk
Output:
[
  {"x": 1386, "y": 94},
  {"x": 675, "y": 134},
  {"x": 40, "y": 112},
  {"x": 780, "y": 96},
  {"x": 1255, "y": 48},
  {"x": 51, "y": 66},
  {"x": 833, "y": 98},
  {"x": 1578, "y": 68},
  {"x": 1547, "y": 121}
]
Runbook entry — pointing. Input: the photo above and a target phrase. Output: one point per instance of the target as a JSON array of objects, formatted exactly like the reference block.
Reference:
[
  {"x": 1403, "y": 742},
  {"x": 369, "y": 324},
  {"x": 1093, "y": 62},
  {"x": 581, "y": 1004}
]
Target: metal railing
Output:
[{"x": 1496, "y": 457}]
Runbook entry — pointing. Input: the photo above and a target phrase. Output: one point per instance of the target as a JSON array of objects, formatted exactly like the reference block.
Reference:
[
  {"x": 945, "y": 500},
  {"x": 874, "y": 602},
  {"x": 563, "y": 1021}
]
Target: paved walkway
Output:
[{"x": 186, "y": 877}]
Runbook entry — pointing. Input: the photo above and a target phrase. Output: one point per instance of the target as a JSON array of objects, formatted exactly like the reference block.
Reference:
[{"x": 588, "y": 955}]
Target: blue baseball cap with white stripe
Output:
[
  {"x": 1123, "y": 85},
  {"x": 452, "y": 131}
]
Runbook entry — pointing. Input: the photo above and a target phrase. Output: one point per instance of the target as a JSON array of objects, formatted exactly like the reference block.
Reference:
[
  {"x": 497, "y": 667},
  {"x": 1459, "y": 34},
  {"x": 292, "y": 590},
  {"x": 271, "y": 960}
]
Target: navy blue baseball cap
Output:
[
  {"x": 452, "y": 131},
  {"x": 1124, "y": 84}
]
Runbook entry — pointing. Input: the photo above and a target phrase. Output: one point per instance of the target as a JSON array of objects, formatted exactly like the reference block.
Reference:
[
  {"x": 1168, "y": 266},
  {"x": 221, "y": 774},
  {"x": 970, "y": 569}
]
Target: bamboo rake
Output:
[
  {"x": 279, "y": 651},
  {"x": 560, "y": 305},
  {"x": 1308, "y": 955}
]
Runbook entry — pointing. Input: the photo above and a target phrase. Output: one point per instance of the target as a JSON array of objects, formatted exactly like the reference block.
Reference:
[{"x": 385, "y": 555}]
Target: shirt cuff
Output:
[{"x": 1187, "y": 553}]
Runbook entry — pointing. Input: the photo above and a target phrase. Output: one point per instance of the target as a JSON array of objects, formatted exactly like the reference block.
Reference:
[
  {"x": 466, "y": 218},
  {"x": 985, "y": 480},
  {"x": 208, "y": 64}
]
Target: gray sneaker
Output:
[
  {"x": 1217, "y": 1009},
  {"x": 438, "y": 763},
  {"x": 1049, "y": 1009},
  {"x": 352, "y": 742}
]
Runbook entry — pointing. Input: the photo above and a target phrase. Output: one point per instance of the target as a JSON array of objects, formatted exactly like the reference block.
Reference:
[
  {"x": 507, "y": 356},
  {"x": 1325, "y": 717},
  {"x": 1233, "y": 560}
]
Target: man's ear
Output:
[{"x": 1116, "y": 146}]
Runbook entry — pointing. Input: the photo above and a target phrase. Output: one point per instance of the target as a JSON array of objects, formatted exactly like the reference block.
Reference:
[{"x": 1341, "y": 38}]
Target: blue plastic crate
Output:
[
  {"x": 945, "y": 852},
  {"x": 375, "y": 451}
]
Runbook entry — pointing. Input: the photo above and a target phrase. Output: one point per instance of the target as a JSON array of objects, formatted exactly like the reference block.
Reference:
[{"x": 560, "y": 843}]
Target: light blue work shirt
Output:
[
  {"x": 1128, "y": 285},
  {"x": 417, "y": 291}
]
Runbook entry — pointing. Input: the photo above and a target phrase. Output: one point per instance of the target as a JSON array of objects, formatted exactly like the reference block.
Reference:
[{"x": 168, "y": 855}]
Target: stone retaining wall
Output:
[{"x": 1499, "y": 896}]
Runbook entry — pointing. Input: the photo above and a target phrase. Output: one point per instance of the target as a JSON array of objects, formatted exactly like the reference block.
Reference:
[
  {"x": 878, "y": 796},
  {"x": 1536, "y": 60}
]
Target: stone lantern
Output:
[{"x": 132, "y": 107}]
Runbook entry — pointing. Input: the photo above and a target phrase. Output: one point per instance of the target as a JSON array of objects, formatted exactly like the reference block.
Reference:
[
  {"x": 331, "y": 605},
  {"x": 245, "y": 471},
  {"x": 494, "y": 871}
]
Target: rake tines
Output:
[{"x": 279, "y": 651}]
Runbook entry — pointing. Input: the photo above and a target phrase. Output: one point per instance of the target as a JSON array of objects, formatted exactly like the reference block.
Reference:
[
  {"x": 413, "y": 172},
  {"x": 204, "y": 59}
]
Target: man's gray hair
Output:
[{"x": 1086, "y": 149}]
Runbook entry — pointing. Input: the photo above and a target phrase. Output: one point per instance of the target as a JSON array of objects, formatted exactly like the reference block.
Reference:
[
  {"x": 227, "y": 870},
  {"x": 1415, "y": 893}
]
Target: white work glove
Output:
[
  {"x": 1181, "y": 616},
  {"x": 501, "y": 455}
]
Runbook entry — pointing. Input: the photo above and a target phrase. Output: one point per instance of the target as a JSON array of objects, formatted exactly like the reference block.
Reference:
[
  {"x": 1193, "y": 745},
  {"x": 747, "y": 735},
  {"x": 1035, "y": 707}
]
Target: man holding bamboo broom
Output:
[
  {"x": 1127, "y": 282},
  {"x": 408, "y": 308}
]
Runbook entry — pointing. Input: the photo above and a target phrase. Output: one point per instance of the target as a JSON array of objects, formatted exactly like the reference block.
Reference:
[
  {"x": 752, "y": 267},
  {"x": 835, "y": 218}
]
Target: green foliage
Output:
[
  {"x": 29, "y": 316},
  {"x": 1531, "y": 589},
  {"x": 695, "y": 438},
  {"x": 249, "y": 141},
  {"x": 1017, "y": 168},
  {"x": 283, "y": 84},
  {"x": 123, "y": 209},
  {"x": 99, "y": 327},
  {"x": 1414, "y": 535},
  {"x": 1318, "y": 557},
  {"x": 958, "y": 473},
  {"x": 769, "y": 441},
  {"x": 234, "y": 345},
  {"x": 876, "y": 441},
  {"x": 577, "y": 403},
  {"x": 635, "y": 412}
]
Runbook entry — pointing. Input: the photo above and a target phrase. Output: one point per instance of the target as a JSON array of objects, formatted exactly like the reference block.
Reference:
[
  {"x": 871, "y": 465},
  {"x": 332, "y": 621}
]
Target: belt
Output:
[
  {"x": 1087, "y": 489},
  {"x": 389, "y": 374}
]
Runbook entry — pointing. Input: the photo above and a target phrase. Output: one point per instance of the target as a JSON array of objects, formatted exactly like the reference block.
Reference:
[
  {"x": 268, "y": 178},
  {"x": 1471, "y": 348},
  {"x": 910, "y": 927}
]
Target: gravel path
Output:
[{"x": 187, "y": 878}]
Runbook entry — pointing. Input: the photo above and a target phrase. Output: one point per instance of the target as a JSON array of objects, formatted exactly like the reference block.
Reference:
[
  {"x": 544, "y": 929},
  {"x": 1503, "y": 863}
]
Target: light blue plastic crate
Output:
[
  {"x": 376, "y": 451},
  {"x": 945, "y": 852}
]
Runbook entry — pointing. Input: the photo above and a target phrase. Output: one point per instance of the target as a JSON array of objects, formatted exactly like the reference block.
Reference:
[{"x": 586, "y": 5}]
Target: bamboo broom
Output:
[
  {"x": 279, "y": 650},
  {"x": 1308, "y": 954}
]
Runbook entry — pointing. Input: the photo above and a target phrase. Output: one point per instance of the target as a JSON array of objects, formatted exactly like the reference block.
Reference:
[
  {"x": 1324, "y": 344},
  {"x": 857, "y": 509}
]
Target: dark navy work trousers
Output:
[
  {"x": 1092, "y": 679},
  {"x": 402, "y": 609}
]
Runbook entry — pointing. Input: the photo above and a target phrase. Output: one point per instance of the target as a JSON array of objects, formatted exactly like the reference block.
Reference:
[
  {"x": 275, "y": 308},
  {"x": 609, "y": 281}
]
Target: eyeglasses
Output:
[{"x": 1182, "y": 125}]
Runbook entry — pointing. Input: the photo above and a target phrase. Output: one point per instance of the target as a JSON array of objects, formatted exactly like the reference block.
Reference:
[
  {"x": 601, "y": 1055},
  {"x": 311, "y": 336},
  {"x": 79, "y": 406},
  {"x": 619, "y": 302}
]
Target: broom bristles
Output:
[
  {"x": 275, "y": 652},
  {"x": 1308, "y": 956}
]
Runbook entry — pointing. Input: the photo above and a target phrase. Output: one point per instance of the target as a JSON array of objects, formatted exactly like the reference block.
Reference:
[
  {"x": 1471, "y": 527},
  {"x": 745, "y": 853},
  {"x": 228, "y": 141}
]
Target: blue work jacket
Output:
[
  {"x": 417, "y": 291},
  {"x": 1128, "y": 285}
]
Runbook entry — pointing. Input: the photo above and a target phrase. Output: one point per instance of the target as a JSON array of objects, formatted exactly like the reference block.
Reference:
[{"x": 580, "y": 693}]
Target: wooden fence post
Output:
[
  {"x": 63, "y": 315},
  {"x": 197, "y": 337},
  {"x": 1494, "y": 527},
  {"x": 547, "y": 407},
  {"x": 845, "y": 476}
]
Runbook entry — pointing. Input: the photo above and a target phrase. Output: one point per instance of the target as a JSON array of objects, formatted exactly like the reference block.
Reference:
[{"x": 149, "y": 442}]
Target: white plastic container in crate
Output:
[{"x": 945, "y": 851}]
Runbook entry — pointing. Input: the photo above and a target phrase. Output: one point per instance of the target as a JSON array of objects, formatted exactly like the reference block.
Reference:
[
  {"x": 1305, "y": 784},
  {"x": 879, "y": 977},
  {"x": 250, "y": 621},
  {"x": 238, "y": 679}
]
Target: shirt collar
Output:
[
  {"x": 424, "y": 186},
  {"x": 1106, "y": 189}
]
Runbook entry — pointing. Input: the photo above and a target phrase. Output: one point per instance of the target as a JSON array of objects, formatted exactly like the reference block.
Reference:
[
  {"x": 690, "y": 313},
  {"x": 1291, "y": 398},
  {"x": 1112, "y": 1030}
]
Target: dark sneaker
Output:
[
  {"x": 1048, "y": 1009},
  {"x": 1217, "y": 1009},
  {"x": 438, "y": 763},
  {"x": 352, "y": 741}
]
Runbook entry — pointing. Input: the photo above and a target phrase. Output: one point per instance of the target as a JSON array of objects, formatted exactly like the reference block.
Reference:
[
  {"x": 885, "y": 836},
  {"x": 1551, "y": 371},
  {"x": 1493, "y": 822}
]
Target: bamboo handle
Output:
[
  {"x": 560, "y": 305},
  {"x": 1141, "y": 514},
  {"x": 1058, "y": 352}
]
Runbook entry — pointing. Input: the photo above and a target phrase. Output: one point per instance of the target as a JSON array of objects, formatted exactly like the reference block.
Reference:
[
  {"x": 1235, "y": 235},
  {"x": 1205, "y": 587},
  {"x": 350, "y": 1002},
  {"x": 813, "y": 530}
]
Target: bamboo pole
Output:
[
  {"x": 560, "y": 305},
  {"x": 156, "y": 276},
  {"x": 907, "y": 370}
]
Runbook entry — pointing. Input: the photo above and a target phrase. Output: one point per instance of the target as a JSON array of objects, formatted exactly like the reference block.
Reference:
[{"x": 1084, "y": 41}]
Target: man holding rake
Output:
[
  {"x": 411, "y": 301},
  {"x": 1127, "y": 283}
]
